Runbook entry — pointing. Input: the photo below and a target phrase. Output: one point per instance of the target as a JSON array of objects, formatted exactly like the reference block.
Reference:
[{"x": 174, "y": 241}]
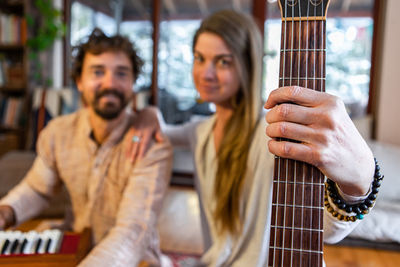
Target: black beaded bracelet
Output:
[{"x": 360, "y": 209}]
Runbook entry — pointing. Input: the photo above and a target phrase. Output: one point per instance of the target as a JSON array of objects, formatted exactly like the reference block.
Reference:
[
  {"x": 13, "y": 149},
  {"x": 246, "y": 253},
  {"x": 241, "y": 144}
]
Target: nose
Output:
[
  {"x": 109, "y": 80},
  {"x": 209, "y": 71}
]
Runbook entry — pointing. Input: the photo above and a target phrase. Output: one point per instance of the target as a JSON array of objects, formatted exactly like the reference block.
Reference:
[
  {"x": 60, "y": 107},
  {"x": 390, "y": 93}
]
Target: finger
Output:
[
  {"x": 291, "y": 131},
  {"x": 291, "y": 113},
  {"x": 294, "y": 94},
  {"x": 134, "y": 148},
  {"x": 143, "y": 145},
  {"x": 291, "y": 150},
  {"x": 134, "y": 152},
  {"x": 129, "y": 143},
  {"x": 159, "y": 136}
]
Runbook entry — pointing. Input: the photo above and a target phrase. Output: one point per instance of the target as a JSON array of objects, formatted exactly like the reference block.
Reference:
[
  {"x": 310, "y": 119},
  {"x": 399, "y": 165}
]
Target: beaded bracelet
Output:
[{"x": 359, "y": 209}]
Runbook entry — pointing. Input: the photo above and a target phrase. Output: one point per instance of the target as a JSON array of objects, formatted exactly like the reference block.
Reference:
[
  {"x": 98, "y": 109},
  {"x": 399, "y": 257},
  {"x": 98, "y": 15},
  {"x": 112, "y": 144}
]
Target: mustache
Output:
[{"x": 110, "y": 91}]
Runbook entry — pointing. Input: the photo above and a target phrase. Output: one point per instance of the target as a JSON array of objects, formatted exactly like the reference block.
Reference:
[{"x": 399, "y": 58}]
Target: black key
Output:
[
  {"x": 47, "y": 247},
  {"x": 37, "y": 245},
  {"x": 23, "y": 246},
  {"x": 5, "y": 245},
  {"x": 14, "y": 246}
]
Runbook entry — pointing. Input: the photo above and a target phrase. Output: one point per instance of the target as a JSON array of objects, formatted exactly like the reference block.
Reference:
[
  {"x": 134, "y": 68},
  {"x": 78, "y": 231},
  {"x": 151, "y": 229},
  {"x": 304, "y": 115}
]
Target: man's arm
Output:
[
  {"x": 32, "y": 194},
  {"x": 127, "y": 241}
]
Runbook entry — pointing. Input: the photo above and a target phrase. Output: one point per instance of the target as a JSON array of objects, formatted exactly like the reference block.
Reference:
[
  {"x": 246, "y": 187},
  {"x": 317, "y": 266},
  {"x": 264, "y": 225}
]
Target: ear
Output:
[{"x": 78, "y": 83}]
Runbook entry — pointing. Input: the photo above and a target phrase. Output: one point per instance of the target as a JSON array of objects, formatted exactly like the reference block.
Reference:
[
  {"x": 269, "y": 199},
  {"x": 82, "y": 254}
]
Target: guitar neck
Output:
[{"x": 296, "y": 236}]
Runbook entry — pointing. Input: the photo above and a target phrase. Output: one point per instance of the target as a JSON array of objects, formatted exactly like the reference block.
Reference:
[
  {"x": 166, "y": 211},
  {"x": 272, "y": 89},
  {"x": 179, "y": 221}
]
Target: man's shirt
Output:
[{"x": 118, "y": 200}]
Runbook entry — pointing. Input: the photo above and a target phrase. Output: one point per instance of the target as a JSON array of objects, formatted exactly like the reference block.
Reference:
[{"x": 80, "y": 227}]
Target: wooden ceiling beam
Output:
[
  {"x": 170, "y": 6},
  {"x": 237, "y": 5},
  {"x": 202, "y": 7}
]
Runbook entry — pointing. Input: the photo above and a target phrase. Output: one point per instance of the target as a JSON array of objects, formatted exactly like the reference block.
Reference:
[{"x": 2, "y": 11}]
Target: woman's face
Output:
[{"x": 214, "y": 72}]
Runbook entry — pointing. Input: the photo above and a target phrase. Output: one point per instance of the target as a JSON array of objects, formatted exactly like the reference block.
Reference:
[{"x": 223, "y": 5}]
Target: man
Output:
[{"x": 118, "y": 200}]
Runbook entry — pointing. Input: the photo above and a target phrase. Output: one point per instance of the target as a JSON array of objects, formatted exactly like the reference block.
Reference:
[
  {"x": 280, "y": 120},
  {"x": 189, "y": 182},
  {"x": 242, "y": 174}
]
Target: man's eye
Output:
[
  {"x": 98, "y": 72},
  {"x": 122, "y": 74}
]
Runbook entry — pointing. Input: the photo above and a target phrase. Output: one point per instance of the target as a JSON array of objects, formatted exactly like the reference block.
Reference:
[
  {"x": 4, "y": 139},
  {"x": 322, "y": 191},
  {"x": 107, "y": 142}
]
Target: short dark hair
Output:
[{"x": 98, "y": 43}]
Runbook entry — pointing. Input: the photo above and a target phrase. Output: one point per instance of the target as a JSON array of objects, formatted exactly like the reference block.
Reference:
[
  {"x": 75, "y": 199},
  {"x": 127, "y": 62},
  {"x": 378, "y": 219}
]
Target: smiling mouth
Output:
[{"x": 209, "y": 87}]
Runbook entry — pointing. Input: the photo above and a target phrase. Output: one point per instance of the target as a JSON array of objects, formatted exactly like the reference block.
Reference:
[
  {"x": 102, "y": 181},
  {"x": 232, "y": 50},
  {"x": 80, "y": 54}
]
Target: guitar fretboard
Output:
[{"x": 296, "y": 237}]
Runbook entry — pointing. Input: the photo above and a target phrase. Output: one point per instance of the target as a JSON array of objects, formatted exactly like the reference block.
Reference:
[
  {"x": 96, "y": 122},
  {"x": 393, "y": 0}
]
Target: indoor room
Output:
[{"x": 354, "y": 54}]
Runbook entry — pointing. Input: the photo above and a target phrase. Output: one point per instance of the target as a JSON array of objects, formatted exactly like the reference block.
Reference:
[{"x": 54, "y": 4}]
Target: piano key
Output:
[
  {"x": 21, "y": 238},
  {"x": 56, "y": 237},
  {"x": 47, "y": 246},
  {"x": 11, "y": 236},
  {"x": 23, "y": 245},
  {"x": 2, "y": 241},
  {"x": 31, "y": 237},
  {"x": 37, "y": 245},
  {"x": 5, "y": 246}
]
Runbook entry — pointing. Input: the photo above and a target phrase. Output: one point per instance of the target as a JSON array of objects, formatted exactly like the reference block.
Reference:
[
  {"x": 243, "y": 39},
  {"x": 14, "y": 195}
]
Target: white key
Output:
[
  {"x": 10, "y": 236},
  {"x": 31, "y": 238},
  {"x": 56, "y": 237}
]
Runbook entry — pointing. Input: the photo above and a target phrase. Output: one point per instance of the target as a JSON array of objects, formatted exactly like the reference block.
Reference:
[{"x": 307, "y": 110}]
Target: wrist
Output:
[{"x": 358, "y": 206}]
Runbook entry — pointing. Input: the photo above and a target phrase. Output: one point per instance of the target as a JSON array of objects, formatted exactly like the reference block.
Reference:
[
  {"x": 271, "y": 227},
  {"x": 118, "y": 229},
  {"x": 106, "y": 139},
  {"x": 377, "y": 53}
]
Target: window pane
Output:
[
  {"x": 140, "y": 33},
  {"x": 81, "y": 22},
  {"x": 348, "y": 59}
]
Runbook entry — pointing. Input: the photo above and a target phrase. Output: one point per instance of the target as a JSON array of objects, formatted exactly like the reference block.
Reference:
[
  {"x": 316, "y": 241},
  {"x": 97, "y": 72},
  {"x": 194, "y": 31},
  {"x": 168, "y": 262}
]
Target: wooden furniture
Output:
[
  {"x": 13, "y": 75},
  {"x": 73, "y": 249}
]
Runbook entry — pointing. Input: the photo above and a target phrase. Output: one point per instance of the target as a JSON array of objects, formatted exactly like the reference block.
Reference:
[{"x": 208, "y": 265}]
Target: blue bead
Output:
[{"x": 360, "y": 216}]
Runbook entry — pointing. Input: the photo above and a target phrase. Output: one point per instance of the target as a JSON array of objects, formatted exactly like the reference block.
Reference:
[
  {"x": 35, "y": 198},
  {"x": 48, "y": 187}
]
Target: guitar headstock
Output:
[{"x": 303, "y": 9}]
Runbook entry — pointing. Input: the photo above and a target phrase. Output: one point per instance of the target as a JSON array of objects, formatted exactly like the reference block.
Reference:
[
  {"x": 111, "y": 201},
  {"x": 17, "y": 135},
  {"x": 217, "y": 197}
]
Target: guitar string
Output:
[
  {"x": 294, "y": 167},
  {"x": 279, "y": 158},
  {"x": 303, "y": 164},
  {"x": 311, "y": 167},
  {"x": 322, "y": 64},
  {"x": 284, "y": 160},
  {"x": 295, "y": 162}
]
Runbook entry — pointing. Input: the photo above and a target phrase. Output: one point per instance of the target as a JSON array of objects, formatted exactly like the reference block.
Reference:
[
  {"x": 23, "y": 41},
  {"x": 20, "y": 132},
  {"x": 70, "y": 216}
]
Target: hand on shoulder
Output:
[{"x": 145, "y": 127}]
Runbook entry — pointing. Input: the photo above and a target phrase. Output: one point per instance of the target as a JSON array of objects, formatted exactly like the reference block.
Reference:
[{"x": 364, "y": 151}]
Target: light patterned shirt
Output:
[{"x": 118, "y": 200}]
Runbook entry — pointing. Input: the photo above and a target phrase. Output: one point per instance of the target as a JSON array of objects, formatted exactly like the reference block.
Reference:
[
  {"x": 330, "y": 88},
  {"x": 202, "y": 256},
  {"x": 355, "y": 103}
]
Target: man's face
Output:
[{"x": 106, "y": 83}]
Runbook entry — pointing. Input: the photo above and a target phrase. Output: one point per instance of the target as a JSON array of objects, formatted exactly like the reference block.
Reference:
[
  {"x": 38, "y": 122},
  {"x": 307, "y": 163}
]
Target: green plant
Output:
[{"x": 47, "y": 27}]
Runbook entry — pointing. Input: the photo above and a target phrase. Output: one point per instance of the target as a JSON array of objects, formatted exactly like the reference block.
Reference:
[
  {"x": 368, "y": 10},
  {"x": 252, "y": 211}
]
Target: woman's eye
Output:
[
  {"x": 198, "y": 58},
  {"x": 224, "y": 62}
]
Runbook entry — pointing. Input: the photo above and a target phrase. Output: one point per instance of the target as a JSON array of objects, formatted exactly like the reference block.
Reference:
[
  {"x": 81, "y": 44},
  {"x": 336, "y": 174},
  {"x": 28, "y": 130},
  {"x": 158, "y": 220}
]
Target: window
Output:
[{"x": 349, "y": 32}]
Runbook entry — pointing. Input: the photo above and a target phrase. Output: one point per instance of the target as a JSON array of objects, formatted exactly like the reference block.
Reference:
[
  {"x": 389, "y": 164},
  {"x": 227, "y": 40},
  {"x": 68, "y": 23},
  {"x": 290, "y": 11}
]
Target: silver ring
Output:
[{"x": 135, "y": 139}]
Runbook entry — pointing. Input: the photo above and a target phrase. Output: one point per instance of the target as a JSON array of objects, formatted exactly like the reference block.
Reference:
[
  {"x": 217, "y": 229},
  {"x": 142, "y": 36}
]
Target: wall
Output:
[{"x": 388, "y": 113}]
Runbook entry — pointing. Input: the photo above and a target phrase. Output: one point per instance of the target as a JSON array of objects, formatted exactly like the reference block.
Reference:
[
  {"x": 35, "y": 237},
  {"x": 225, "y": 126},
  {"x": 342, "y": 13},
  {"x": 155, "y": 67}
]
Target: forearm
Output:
[
  {"x": 117, "y": 249},
  {"x": 25, "y": 202}
]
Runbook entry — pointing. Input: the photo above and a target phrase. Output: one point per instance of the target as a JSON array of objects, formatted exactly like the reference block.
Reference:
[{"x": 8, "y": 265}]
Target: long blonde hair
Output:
[{"x": 242, "y": 36}]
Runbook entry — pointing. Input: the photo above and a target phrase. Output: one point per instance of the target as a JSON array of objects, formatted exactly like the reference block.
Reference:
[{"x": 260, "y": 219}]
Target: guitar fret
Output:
[
  {"x": 297, "y": 206},
  {"x": 299, "y": 250},
  {"x": 304, "y": 50},
  {"x": 297, "y": 228},
  {"x": 302, "y": 78},
  {"x": 298, "y": 183}
]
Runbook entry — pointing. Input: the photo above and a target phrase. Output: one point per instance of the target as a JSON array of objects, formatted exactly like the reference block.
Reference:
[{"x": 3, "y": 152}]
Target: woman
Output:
[{"x": 233, "y": 164}]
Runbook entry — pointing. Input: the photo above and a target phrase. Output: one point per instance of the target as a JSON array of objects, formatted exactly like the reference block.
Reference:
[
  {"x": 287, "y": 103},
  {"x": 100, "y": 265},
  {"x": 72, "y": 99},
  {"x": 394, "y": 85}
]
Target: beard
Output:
[{"x": 110, "y": 110}]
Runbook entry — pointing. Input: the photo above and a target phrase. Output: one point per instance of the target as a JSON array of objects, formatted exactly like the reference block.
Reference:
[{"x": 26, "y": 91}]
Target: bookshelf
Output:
[{"x": 14, "y": 92}]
